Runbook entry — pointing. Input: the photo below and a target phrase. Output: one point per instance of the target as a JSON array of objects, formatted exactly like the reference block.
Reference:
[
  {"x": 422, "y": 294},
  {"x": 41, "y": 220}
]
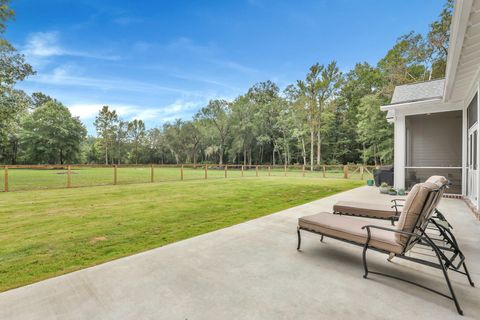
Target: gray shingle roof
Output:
[{"x": 418, "y": 91}]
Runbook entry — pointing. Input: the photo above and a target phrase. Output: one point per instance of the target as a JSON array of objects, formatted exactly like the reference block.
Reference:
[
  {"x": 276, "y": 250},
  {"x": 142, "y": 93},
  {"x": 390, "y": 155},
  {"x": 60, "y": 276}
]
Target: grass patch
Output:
[
  {"x": 35, "y": 179},
  {"x": 51, "y": 232}
]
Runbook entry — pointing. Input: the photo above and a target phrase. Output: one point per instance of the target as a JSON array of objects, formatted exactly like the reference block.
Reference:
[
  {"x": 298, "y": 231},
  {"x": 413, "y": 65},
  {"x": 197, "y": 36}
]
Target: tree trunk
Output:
[
  {"x": 319, "y": 146},
  {"x": 312, "y": 143},
  {"x": 244, "y": 154},
  {"x": 304, "y": 152},
  {"x": 221, "y": 156},
  {"x": 106, "y": 155}
]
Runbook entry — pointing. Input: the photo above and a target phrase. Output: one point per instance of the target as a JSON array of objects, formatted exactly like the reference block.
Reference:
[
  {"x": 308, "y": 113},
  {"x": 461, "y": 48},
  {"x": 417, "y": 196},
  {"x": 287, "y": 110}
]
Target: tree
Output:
[
  {"x": 191, "y": 137},
  {"x": 242, "y": 118},
  {"x": 6, "y": 13},
  {"x": 217, "y": 113},
  {"x": 438, "y": 38},
  {"x": 404, "y": 63},
  {"x": 120, "y": 147},
  {"x": 320, "y": 84},
  {"x": 264, "y": 96},
  {"x": 375, "y": 133},
  {"x": 51, "y": 135},
  {"x": 136, "y": 135},
  {"x": 105, "y": 123},
  {"x": 14, "y": 106},
  {"x": 13, "y": 103},
  {"x": 39, "y": 99}
]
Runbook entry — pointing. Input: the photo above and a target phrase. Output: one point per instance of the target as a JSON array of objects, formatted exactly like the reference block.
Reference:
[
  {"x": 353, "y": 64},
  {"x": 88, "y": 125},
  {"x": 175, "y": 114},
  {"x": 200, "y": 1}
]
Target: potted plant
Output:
[
  {"x": 370, "y": 182},
  {"x": 392, "y": 192},
  {"x": 401, "y": 192},
  {"x": 384, "y": 188}
]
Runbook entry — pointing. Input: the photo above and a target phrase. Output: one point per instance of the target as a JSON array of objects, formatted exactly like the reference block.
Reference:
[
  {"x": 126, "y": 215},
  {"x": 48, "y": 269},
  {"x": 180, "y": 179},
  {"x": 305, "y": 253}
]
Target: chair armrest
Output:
[
  {"x": 389, "y": 229},
  {"x": 396, "y": 205}
]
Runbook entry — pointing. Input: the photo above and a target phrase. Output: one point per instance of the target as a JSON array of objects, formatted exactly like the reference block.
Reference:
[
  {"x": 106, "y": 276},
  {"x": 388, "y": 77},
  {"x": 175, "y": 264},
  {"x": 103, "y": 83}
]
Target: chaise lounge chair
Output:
[
  {"x": 416, "y": 214},
  {"x": 385, "y": 211}
]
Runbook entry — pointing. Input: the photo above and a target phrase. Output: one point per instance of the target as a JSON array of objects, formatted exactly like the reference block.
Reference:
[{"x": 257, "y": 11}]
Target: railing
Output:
[{"x": 34, "y": 177}]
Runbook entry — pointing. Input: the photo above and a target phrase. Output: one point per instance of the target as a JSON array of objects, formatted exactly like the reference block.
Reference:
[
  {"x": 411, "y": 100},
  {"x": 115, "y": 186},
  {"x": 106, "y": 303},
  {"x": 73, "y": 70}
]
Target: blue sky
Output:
[{"x": 161, "y": 60}]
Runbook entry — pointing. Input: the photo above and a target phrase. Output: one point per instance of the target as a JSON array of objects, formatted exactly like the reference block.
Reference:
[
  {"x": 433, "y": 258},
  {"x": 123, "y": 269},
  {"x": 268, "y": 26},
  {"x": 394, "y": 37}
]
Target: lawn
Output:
[
  {"x": 34, "y": 179},
  {"x": 46, "y": 233}
]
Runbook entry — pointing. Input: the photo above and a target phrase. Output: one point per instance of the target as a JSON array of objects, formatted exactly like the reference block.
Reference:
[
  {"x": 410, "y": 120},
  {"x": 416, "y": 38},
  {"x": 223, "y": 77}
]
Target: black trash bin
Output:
[{"x": 383, "y": 174}]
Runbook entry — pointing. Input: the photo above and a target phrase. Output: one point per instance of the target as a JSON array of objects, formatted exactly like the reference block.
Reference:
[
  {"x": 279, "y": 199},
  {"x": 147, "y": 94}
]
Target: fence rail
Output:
[{"x": 32, "y": 177}]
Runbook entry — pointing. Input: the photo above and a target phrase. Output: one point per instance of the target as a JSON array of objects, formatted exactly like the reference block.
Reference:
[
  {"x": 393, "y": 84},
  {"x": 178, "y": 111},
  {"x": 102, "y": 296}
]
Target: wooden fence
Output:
[{"x": 30, "y": 177}]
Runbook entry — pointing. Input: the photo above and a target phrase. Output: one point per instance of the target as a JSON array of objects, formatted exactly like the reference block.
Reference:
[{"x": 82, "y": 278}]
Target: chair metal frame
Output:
[{"x": 449, "y": 256}]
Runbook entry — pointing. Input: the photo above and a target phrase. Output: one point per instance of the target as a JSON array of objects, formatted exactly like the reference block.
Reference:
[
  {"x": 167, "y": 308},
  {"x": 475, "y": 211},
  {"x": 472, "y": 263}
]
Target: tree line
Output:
[{"x": 326, "y": 117}]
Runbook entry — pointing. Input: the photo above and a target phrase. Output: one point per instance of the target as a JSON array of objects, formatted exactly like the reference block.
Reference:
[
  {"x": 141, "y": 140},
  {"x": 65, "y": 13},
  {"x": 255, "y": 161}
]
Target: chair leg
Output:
[
  {"x": 299, "y": 239},
  {"x": 468, "y": 275},
  {"x": 364, "y": 258},
  {"x": 321, "y": 238},
  {"x": 447, "y": 279}
]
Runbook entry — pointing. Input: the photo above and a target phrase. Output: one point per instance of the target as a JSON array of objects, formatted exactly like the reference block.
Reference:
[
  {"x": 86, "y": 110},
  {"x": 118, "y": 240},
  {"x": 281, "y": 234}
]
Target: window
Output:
[{"x": 472, "y": 111}]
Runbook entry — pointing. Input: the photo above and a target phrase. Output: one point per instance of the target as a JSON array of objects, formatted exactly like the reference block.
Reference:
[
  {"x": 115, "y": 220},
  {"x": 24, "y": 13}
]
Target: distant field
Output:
[
  {"x": 46, "y": 233},
  {"x": 34, "y": 179}
]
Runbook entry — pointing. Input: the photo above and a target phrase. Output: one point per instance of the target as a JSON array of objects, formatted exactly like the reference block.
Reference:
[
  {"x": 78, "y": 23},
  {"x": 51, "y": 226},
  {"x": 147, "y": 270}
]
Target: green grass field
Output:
[
  {"x": 46, "y": 233},
  {"x": 35, "y": 179}
]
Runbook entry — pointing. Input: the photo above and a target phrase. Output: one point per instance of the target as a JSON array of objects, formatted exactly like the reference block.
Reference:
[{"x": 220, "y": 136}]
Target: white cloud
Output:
[
  {"x": 47, "y": 44},
  {"x": 85, "y": 111},
  {"x": 235, "y": 66},
  {"x": 62, "y": 76},
  {"x": 178, "y": 109},
  {"x": 183, "y": 44},
  {"x": 209, "y": 52}
]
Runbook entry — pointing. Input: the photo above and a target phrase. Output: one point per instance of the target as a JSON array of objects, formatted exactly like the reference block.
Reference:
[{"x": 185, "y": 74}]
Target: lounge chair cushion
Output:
[
  {"x": 365, "y": 209},
  {"x": 349, "y": 228},
  {"x": 419, "y": 202},
  {"x": 439, "y": 181}
]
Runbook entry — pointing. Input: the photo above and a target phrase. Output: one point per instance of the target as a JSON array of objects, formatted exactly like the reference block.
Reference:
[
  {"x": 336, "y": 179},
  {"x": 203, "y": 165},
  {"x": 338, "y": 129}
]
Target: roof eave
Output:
[
  {"x": 410, "y": 104},
  {"x": 457, "y": 35}
]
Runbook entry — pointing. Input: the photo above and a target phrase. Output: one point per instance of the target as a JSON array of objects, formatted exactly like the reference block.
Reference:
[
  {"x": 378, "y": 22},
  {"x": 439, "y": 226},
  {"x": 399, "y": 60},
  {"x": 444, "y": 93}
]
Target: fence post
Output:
[
  {"x": 285, "y": 170},
  {"x": 181, "y": 172},
  {"x": 115, "y": 174},
  {"x": 256, "y": 171},
  {"x": 69, "y": 177},
  {"x": 242, "y": 170},
  {"x": 5, "y": 176},
  {"x": 206, "y": 171},
  {"x": 269, "y": 171},
  {"x": 361, "y": 172},
  {"x": 345, "y": 172},
  {"x": 152, "y": 174},
  {"x": 323, "y": 169},
  {"x": 303, "y": 170}
]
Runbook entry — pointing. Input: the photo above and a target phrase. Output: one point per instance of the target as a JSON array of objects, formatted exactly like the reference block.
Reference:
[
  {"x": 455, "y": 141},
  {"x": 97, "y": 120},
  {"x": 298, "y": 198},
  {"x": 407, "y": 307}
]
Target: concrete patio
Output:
[{"x": 252, "y": 271}]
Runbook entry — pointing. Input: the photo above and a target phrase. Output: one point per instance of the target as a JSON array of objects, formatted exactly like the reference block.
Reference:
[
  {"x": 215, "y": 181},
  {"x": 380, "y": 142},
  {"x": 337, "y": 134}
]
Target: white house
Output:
[{"x": 436, "y": 122}]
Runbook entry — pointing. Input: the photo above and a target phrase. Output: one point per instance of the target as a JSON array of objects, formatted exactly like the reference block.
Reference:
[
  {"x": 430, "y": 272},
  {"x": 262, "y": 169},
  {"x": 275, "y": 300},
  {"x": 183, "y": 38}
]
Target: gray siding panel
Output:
[{"x": 434, "y": 140}]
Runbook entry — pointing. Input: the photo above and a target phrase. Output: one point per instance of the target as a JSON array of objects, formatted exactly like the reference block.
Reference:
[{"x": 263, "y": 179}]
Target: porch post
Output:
[
  {"x": 477, "y": 85},
  {"x": 464, "y": 151},
  {"x": 399, "y": 151}
]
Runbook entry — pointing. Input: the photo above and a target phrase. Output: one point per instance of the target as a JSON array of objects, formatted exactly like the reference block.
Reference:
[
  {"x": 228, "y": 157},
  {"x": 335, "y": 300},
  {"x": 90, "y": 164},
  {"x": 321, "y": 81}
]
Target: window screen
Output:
[{"x": 472, "y": 111}]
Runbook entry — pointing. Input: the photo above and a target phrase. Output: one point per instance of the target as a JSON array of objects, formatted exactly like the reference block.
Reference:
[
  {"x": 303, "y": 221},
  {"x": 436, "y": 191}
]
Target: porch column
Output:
[
  {"x": 399, "y": 151},
  {"x": 464, "y": 151},
  {"x": 477, "y": 88}
]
